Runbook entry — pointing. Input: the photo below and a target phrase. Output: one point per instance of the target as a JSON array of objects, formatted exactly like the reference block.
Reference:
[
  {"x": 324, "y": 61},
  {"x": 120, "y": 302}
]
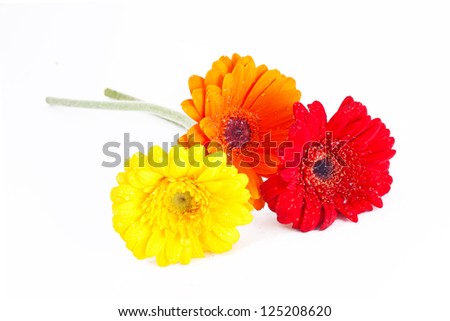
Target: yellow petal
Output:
[
  {"x": 215, "y": 244},
  {"x": 178, "y": 162},
  {"x": 228, "y": 234}
]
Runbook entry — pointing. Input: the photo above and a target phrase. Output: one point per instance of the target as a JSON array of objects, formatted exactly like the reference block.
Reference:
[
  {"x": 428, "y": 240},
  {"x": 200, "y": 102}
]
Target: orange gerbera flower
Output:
[{"x": 246, "y": 109}]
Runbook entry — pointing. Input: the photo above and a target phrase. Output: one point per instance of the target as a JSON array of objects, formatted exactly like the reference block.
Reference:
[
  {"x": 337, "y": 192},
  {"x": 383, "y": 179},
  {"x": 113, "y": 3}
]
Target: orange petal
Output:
[
  {"x": 223, "y": 65},
  {"x": 198, "y": 95},
  {"x": 219, "y": 69},
  {"x": 196, "y": 82},
  {"x": 214, "y": 101},
  {"x": 193, "y": 136},
  {"x": 244, "y": 78},
  {"x": 228, "y": 89},
  {"x": 235, "y": 58},
  {"x": 276, "y": 103},
  {"x": 260, "y": 70},
  {"x": 189, "y": 108},
  {"x": 258, "y": 203},
  {"x": 261, "y": 85},
  {"x": 254, "y": 181},
  {"x": 209, "y": 127},
  {"x": 214, "y": 77},
  {"x": 266, "y": 167}
]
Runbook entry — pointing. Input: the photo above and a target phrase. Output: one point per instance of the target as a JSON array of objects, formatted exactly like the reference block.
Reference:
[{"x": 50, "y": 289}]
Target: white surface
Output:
[{"x": 61, "y": 258}]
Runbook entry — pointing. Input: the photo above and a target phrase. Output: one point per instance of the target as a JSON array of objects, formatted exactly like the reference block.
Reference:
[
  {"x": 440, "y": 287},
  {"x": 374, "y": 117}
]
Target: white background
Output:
[{"x": 62, "y": 260}]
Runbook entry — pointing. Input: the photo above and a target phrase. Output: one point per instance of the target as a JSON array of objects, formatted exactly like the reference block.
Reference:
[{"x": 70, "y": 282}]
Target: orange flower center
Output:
[
  {"x": 237, "y": 132},
  {"x": 237, "y": 129}
]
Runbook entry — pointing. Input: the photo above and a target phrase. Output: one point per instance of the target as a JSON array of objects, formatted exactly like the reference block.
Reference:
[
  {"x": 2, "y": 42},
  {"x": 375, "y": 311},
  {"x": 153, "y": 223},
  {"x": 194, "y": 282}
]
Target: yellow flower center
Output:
[{"x": 181, "y": 201}]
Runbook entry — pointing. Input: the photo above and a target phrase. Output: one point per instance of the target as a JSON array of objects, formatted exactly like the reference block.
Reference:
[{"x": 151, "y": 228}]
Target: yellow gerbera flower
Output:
[{"x": 179, "y": 205}]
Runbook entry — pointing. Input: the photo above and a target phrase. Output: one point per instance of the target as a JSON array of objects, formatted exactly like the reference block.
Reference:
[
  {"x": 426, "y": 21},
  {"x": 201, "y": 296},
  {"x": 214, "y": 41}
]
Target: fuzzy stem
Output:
[
  {"x": 170, "y": 115},
  {"x": 117, "y": 95}
]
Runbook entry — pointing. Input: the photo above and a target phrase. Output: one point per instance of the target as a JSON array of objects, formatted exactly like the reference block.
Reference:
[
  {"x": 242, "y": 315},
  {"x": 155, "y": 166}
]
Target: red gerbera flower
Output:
[{"x": 339, "y": 166}]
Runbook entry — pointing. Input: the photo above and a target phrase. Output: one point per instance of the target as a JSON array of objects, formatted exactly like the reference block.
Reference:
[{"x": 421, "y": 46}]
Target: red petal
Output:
[
  {"x": 289, "y": 207},
  {"x": 361, "y": 206},
  {"x": 348, "y": 112},
  {"x": 330, "y": 215},
  {"x": 348, "y": 212},
  {"x": 317, "y": 120},
  {"x": 362, "y": 140},
  {"x": 312, "y": 215},
  {"x": 354, "y": 128},
  {"x": 375, "y": 200},
  {"x": 271, "y": 189},
  {"x": 380, "y": 156}
]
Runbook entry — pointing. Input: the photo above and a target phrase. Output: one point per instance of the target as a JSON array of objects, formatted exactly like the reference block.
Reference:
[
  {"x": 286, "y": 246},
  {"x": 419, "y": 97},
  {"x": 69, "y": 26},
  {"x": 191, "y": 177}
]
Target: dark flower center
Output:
[
  {"x": 323, "y": 169},
  {"x": 237, "y": 132},
  {"x": 181, "y": 201}
]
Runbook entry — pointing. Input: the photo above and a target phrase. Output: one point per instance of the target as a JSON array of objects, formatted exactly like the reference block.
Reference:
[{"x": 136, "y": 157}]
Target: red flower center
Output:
[{"x": 323, "y": 169}]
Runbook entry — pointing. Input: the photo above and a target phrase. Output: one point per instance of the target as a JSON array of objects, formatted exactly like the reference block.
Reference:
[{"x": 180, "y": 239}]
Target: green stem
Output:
[
  {"x": 117, "y": 95},
  {"x": 162, "y": 112}
]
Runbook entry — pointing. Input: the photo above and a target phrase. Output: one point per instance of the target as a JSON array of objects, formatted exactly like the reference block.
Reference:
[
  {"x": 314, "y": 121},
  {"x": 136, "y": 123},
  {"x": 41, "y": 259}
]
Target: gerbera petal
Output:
[
  {"x": 261, "y": 85},
  {"x": 135, "y": 234},
  {"x": 253, "y": 184},
  {"x": 124, "y": 192},
  {"x": 178, "y": 162},
  {"x": 125, "y": 214},
  {"x": 348, "y": 112},
  {"x": 214, "y": 78},
  {"x": 362, "y": 140},
  {"x": 244, "y": 75},
  {"x": 186, "y": 251},
  {"x": 214, "y": 243},
  {"x": 279, "y": 95},
  {"x": 214, "y": 101},
  {"x": 141, "y": 233},
  {"x": 229, "y": 235},
  {"x": 312, "y": 215},
  {"x": 173, "y": 248},
  {"x": 330, "y": 214},
  {"x": 198, "y": 96},
  {"x": 380, "y": 156},
  {"x": 354, "y": 128},
  {"x": 156, "y": 243},
  {"x": 194, "y": 135},
  {"x": 300, "y": 131},
  {"x": 161, "y": 259},
  {"x": 375, "y": 200},
  {"x": 196, "y": 82},
  {"x": 209, "y": 127},
  {"x": 190, "y": 109},
  {"x": 289, "y": 207},
  {"x": 271, "y": 189},
  {"x": 381, "y": 143},
  {"x": 219, "y": 69},
  {"x": 230, "y": 215},
  {"x": 318, "y": 119},
  {"x": 348, "y": 212},
  {"x": 360, "y": 205}
]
